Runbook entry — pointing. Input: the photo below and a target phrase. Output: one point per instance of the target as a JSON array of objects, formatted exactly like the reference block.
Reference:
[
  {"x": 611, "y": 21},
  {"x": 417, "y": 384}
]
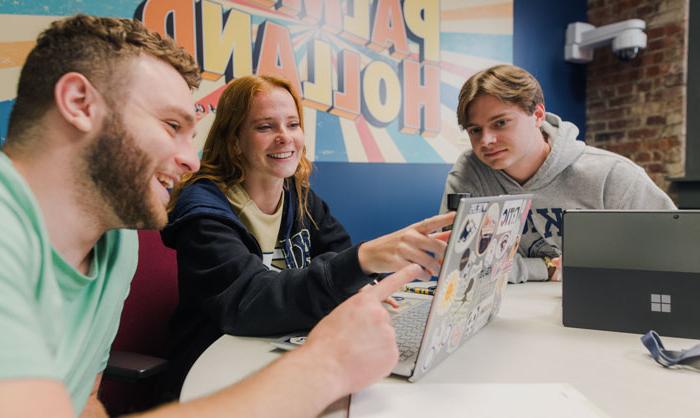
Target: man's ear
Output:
[
  {"x": 539, "y": 114},
  {"x": 78, "y": 101}
]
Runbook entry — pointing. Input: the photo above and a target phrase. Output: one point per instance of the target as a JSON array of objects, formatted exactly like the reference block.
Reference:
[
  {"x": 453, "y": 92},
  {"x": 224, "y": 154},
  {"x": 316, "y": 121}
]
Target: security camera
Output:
[{"x": 627, "y": 38}]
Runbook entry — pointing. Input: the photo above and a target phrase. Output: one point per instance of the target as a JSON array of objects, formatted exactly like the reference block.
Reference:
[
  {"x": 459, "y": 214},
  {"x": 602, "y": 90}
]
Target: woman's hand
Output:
[{"x": 420, "y": 243}]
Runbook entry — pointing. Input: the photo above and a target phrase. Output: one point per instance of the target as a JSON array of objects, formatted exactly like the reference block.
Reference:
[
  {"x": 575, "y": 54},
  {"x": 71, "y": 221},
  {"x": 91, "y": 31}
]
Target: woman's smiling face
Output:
[{"x": 271, "y": 137}]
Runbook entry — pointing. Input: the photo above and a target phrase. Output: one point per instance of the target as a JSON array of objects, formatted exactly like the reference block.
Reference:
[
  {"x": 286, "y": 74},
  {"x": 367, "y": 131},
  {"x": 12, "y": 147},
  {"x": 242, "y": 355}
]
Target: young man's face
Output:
[
  {"x": 145, "y": 144},
  {"x": 505, "y": 137}
]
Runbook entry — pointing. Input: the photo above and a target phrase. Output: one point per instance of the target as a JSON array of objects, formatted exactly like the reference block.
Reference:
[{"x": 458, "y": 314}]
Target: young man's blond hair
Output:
[{"x": 508, "y": 83}]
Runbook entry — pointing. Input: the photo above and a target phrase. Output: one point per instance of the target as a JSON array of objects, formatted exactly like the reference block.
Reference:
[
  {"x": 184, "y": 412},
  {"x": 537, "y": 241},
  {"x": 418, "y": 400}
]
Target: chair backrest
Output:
[
  {"x": 144, "y": 323},
  {"x": 151, "y": 301}
]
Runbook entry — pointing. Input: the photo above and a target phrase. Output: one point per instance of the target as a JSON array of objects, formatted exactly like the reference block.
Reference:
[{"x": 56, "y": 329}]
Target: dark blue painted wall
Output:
[
  {"x": 374, "y": 199},
  {"x": 539, "y": 31}
]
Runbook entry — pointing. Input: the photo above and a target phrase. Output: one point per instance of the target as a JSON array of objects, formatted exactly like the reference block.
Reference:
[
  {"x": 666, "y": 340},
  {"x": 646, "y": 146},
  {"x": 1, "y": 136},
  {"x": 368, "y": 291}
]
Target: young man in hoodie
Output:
[{"x": 517, "y": 147}]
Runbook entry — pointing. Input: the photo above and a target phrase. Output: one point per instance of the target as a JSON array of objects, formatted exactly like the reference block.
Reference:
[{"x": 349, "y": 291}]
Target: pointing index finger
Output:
[
  {"x": 442, "y": 236},
  {"x": 429, "y": 225},
  {"x": 394, "y": 282}
]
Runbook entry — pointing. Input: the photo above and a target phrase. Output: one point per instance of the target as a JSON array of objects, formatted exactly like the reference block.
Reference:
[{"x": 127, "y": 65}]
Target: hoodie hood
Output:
[
  {"x": 204, "y": 199},
  {"x": 565, "y": 150}
]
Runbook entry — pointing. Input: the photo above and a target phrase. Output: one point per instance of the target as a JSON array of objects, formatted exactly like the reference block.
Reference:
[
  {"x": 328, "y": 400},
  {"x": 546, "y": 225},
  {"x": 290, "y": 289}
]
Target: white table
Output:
[{"x": 526, "y": 343}]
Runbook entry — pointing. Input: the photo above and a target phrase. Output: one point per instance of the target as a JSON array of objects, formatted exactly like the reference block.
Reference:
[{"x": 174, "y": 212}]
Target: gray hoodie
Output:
[{"x": 574, "y": 176}]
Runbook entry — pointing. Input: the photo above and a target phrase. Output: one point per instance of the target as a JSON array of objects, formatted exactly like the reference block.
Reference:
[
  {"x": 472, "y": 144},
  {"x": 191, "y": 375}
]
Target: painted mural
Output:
[{"x": 379, "y": 78}]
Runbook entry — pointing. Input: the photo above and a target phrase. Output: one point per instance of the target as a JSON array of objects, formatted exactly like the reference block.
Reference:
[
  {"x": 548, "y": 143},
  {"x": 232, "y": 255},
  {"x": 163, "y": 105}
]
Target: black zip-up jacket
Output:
[{"x": 224, "y": 287}]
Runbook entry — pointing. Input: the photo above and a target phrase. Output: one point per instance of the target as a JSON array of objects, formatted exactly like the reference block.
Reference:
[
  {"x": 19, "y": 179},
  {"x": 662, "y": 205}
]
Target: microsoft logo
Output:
[{"x": 660, "y": 303}]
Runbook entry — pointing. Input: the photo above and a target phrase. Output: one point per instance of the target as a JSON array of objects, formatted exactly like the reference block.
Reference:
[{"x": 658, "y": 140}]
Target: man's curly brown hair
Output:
[{"x": 96, "y": 47}]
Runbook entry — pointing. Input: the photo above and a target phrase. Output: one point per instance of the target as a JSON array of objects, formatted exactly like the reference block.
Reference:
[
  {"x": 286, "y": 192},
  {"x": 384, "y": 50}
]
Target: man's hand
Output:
[
  {"x": 350, "y": 348},
  {"x": 556, "y": 276},
  {"x": 389, "y": 301},
  {"x": 418, "y": 243},
  {"x": 357, "y": 338}
]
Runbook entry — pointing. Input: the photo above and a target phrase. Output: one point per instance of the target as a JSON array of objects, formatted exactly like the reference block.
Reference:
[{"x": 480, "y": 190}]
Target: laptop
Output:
[
  {"x": 478, "y": 259},
  {"x": 632, "y": 271}
]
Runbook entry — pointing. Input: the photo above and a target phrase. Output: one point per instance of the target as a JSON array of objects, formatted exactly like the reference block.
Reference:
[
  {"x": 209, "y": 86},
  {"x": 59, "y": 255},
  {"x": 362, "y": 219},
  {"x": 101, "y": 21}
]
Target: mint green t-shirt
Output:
[{"x": 56, "y": 323}]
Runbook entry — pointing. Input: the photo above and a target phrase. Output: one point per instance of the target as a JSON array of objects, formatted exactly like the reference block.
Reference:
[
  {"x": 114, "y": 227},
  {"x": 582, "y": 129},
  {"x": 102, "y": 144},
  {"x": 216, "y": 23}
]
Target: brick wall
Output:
[{"x": 637, "y": 108}]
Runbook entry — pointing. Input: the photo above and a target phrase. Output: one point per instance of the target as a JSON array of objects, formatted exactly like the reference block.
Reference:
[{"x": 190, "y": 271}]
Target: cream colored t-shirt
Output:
[{"x": 265, "y": 228}]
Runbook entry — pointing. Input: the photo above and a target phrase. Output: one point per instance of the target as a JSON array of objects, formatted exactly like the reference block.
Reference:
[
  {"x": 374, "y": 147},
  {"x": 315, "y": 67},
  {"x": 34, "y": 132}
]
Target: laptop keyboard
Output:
[{"x": 409, "y": 324}]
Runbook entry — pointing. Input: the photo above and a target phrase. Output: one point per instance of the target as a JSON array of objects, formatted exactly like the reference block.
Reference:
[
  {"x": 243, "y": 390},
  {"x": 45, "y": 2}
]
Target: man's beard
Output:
[{"x": 119, "y": 169}]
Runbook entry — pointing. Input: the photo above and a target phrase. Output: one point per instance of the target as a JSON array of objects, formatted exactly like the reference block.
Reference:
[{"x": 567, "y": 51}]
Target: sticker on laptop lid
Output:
[
  {"x": 446, "y": 295},
  {"x": 467, "y": 231},
  {"x": 488, "y": 228}
]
